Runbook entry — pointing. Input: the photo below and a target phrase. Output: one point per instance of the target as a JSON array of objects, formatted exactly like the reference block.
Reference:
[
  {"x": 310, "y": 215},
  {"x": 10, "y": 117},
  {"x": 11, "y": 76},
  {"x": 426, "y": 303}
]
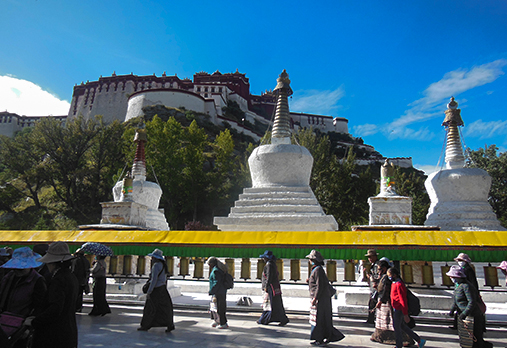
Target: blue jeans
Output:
[{"x": 400, "y": 326}]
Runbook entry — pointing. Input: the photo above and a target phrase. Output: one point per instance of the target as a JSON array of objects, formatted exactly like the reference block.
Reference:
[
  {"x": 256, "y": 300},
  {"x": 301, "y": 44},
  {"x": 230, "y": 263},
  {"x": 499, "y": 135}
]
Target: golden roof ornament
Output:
[
  {"x": 139, "y": 166},
  {"x": 454, "y": 157},
  {"x": 453, "y": 114}
]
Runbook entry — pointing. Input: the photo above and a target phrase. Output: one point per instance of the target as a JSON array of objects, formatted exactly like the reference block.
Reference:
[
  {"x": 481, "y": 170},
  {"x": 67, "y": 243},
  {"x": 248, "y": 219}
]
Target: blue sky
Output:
[{"x": 389, "y": 67}]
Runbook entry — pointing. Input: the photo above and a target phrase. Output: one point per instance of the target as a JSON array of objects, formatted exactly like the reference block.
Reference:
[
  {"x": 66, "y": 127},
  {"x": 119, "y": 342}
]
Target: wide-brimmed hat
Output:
[
  {"x": 268, "y": 254},
  {"x": 502, "y": 265},
  {"x": 371, "y": 252},
  {"x": 315, "y": 255},
  {"x": 463, "y": 257},
  {"x": 157, "y": 253},
  {"x": 456, "y": 272},
  {"x": 23, "y": 258},
  {"x": 57, "y": 252},
  {"x": 4, "y": 252}
]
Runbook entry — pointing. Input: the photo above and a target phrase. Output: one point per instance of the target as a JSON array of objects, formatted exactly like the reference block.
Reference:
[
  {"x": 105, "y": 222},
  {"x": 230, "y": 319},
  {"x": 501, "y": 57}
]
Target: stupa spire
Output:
[
  {"x": 139, "y": 166},
  {"x": 281, "y": 124},
  {"x": 454, "y": 157}
]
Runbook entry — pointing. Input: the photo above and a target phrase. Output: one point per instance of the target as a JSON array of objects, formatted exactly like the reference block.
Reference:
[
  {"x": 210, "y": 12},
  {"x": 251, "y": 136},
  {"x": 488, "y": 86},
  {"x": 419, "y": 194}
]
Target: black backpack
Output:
[
  {"x": 228, "y": 281},
  {"x": 414, "y": 305}
]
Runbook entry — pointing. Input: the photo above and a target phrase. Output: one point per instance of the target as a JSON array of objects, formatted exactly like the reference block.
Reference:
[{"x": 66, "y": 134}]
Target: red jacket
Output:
[{"x": 399, "y": 297}]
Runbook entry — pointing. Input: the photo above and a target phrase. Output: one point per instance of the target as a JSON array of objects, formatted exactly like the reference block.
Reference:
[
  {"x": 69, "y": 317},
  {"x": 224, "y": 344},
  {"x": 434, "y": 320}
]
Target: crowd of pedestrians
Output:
[{"x": 40, "y": 292}]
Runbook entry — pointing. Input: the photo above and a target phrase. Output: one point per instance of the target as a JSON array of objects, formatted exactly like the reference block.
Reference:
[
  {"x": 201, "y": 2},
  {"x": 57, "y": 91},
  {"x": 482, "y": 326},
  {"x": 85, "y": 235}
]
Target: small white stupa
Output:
[
  {"x": 135, "y": 199},
  {"x": 389, "y": 208},
  {"x": 459, "y": 196},
  {"x": 281, "y": 198}
]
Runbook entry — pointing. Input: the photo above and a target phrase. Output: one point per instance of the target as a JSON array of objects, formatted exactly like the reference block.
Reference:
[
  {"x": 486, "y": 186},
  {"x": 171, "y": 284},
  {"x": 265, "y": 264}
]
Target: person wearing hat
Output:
[
  {"x": 465, "y": 304},
  {"x": 273, "y": 304},
  {"x": 218, "y": 291},
  {"x": 158, "y": 308},
  {"x": 43, "y": 270},
  {"x": 373, "y": 278},
  {"x": 81, "y": 269},
  {"x": 22, "y": 290},
  {"x": 321, "y": 311},
  {"x": 100, "y": 305},
  {"x": 55, "y": 326},
  {"x": 465, "y": 262},
  {"x": 503, "y": 267}
]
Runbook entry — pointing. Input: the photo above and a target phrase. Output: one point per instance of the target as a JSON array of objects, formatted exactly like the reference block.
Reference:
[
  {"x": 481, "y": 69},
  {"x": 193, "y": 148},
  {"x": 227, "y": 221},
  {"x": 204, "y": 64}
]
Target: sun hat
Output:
[
  {"x": 371, "y": 252},
  {"x": 268, "y": 254},
  {"x": 456, "y": 272},
  {"x": 57, "y": 252},
  {"x": 502, "y": 265},
  {"x": 157, "y": 253},
  {"x": 315, "y": 255},
  {"x": 463, "y": 257},
  {"x": 23, "y": 258}
]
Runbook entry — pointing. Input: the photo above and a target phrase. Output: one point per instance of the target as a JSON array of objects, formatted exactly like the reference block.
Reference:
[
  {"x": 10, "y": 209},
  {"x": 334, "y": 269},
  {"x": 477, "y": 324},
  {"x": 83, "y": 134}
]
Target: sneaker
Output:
[
  {"x": 225, "y": 326},
  {"x": 214, "y": 324},
  {"x": 421, "y": 343}
]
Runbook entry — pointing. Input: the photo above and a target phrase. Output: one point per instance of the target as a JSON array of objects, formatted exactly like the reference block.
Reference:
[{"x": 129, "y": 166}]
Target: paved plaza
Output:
[{"x": 193, "y": 330}]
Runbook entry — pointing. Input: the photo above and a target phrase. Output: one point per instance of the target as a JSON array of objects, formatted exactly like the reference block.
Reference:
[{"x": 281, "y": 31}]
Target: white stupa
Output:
[
  {"x": 281, "y": 198},
  {"x": 459, "y": 196},
  {"x": 135, "y": 199}
]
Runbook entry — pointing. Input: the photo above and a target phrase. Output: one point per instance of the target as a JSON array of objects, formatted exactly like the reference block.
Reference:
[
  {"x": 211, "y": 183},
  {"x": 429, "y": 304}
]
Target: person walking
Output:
[
  {"x": 272, "y": 294},
  {"x": 384, "y": 330},
  {"x": 100, "y": 305},
  {"x": 81, "y": 269},
  {"x": 218, "y": 291},
  {"x": 503, "y": 268},
  {"x": 466, "y": 306},
  {"x": 55, "y": 326},
  {"x": 158, "y": 308},
  {"x": 22, "y": 292},
  {"x": 372, "y": 277},
  {"x": 321, "y": 311},
  {"x": 400, "y": 309}
]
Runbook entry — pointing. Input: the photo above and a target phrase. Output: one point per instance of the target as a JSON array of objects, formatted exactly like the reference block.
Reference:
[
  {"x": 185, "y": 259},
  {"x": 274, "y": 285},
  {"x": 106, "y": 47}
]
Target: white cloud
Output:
[
  {"x": 484, "y": 130},
  {"x": 430, "y": 106},
  {"x": 317, "y": 102},
  {"x": 26, "y": 98},
  {"x": 363, "y": 130}
]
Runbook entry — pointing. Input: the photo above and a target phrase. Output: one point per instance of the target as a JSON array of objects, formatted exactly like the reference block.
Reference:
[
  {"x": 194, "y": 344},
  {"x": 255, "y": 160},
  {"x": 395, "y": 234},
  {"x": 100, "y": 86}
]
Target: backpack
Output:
[
  {"x": 228, "y": 281},
  {"x": 414, "y": 305}
]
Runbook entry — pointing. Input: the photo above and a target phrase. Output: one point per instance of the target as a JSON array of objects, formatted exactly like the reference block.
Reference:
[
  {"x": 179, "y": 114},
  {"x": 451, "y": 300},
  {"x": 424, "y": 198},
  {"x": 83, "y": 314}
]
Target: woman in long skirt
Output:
[
  {"x": 384, "y": 330},
  {"x": 273, "y": 304},
  {"x": 100, "y": 305},
  {"x": 321, "y": 312},
  {"x": 158, "y": 308}
]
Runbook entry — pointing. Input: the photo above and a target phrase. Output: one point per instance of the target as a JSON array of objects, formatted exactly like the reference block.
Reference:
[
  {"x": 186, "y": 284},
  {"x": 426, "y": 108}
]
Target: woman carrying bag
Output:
[{"x": 158, "y": 309}]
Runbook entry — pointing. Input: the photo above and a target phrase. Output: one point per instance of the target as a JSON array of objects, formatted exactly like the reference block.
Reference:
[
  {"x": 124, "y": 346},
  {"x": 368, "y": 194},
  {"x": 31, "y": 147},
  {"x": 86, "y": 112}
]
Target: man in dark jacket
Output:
[{"x": 81, "y": 269}]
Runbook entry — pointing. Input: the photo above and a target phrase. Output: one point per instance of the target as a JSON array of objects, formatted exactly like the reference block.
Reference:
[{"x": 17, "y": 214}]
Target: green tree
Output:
[
  {"x": 409, "y": 182},
  {"x": 495, "y": 163}
]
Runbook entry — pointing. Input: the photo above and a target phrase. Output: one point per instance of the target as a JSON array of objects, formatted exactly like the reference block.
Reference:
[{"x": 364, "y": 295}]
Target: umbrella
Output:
[{"x": 97, "y": 249}]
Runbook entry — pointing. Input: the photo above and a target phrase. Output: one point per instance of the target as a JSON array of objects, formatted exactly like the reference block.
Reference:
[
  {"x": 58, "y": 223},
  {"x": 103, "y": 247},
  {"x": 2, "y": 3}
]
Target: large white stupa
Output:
[
  {"x": 280, "y": 198},
  {"x": 459, "y": 196}
]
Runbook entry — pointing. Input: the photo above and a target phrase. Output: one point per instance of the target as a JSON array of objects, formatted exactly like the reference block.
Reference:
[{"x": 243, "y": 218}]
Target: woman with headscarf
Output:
[
  {"x": 218, "y": 291},
  {"x": 384, "y": 330},
  {"x": 100, "y": 305},
  {"x": 158, "y": 309},
  {"x": 272, "y": 294},
  {"x": 55, "y": 326},
  {"x": 321, "y": 312},
  {"x": 22, "y": 289},
  {"x": 466, "y": 306}
]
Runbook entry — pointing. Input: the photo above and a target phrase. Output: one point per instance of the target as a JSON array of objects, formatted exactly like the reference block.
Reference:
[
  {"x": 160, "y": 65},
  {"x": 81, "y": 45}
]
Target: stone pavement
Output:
[{"x": 193, "y": 330}]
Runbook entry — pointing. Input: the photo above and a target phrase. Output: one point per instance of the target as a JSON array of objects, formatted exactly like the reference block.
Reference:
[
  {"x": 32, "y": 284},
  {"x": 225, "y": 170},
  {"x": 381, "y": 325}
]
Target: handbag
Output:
[
  {"x": 10, "y": 323},
  {"x": 481, "y": 305},
  {"x": 466, "y": 332},
  {"x": 146, "y": 286}
]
